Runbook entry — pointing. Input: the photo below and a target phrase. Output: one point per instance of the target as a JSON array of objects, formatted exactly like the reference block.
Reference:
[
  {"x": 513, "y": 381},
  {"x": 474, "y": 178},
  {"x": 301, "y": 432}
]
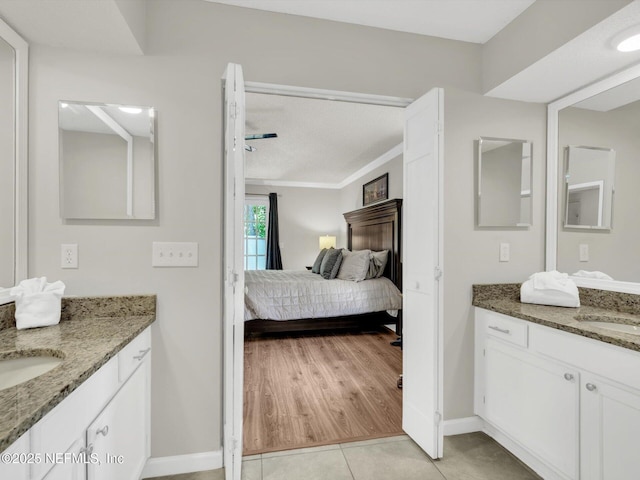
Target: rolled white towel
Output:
[
  {"x": 593, "y": 274},
  {"x": 550, "y": 288},
  {"x": 38, "y": 303}
]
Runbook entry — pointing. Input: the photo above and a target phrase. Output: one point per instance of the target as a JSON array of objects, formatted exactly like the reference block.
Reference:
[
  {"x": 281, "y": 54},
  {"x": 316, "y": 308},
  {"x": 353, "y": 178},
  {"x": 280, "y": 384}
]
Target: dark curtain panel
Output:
[{"x": 274, "y": 259}]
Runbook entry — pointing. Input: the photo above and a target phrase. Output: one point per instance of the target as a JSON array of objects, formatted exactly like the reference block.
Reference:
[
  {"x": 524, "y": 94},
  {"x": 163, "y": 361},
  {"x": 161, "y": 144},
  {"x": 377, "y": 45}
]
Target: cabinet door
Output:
[
  {"x": 71, "y": 466},
  {"x": 119, "y": 434},
  {"x": 609, "y": 435},
  {"x": 14, "y": 466},
  {"x": 535, "y": 402}
]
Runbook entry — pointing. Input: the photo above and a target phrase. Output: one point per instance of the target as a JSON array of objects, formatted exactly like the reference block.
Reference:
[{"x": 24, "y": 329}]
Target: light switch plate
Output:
[
  {"x": 504, "y": 252},
  {"x": 174, "y": 254},
  {"x": 584, "y": 252}
]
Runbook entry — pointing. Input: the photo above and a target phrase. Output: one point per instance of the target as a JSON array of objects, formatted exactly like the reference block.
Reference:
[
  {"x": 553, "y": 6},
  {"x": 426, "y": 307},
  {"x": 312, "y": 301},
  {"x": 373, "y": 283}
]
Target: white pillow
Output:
[{"x": 355, "y": 265}]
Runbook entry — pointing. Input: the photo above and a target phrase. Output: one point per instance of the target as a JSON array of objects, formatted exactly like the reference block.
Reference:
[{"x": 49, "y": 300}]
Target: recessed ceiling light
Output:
[
  {"x": 132, "y": 110},
  {"x": 628, "y": 40},
  {"x": 630, "y": 44}
]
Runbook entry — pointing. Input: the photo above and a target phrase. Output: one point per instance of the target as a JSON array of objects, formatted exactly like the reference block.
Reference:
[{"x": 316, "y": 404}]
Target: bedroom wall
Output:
[
  {"x": 303, "y": 214},
  {"x": 351, "y": 195},
  {"x": 188, "y": 46}
]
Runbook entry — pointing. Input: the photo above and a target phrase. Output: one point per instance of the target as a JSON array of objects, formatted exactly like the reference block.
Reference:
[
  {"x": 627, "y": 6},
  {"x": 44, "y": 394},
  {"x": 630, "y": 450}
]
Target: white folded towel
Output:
[
  {"x": 593, "y": 274},
  {"x": 38, "y": 303},
  {"x": 550, "y": 288}
]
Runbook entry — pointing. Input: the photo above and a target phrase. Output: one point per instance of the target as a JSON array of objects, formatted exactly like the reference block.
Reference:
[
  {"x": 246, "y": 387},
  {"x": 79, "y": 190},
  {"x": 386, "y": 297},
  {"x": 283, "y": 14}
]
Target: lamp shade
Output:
[{"x": 327, "y": 241}]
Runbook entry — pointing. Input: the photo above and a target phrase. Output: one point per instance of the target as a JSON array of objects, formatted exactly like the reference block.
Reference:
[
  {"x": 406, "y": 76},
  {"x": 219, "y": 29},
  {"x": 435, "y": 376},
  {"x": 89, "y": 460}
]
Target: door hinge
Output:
[
  {"x": 233, "y": 110},
  {"x": 484, "y": 400},
  {"x": 437, "y": 273},
  {"x": 437, "y": 418},
  {"x": 484, "y": 352},
  {"x": 439, "y": 127}
]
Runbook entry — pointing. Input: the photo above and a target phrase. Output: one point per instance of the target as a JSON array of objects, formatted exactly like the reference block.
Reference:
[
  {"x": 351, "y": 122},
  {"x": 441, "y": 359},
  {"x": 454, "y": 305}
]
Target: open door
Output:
[
  {"x": 422, "y": 272},
  {"x": 233, "y": 293}
]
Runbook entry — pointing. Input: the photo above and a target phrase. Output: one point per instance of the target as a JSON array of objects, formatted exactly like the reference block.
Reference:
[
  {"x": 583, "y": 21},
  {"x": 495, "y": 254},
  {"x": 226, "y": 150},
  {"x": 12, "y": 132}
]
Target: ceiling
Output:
[
  {"x": 322, "y": 141},
  {"x": 466, "y": 20}
]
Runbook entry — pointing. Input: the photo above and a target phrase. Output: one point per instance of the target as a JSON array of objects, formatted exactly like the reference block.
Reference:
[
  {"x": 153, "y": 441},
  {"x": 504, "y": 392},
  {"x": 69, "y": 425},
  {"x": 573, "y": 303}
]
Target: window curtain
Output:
[{"x": 274, "y": 259}]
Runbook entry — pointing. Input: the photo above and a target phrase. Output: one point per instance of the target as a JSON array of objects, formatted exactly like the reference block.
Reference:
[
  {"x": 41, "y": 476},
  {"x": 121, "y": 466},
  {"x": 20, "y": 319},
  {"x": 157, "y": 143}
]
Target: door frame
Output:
[{"x": 321, "y": 94}]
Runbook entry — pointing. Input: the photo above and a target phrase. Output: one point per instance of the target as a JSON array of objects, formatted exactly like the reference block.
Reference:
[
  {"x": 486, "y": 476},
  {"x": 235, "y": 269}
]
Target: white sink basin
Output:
[
  {"x": 618, "y": 327},
  {"x": 20, "y": 369},
  {"x": 618, "y": 324}
]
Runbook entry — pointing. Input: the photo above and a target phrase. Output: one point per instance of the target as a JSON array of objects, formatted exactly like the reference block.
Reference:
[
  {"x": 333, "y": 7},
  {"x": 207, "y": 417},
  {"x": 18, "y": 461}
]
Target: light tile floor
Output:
[{"x": 473, "y": 456}]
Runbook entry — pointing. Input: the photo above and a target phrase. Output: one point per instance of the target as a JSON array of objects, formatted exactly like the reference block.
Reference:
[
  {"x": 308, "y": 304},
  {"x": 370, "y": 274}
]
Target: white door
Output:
[
  {"x": 234, "y": 114},
  {"x": 422, "y": 271}
]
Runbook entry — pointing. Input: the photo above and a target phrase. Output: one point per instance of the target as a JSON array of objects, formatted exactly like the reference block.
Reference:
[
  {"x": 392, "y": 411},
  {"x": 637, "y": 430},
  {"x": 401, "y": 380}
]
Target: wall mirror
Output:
[
  {"x": 13, "y": 159},
  {"x": 605, "y": 238},
  {"x": 503, "y": 197},
  {"x": 589, "y": 175},
  {"x": 107, "y": 161}
]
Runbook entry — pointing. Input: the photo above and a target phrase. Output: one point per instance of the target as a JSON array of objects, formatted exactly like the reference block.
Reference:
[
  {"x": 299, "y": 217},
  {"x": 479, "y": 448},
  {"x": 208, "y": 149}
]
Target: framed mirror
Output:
[
  {"x": 589, "y": 175},
  {"x": 503, "y": 196},
  {"x": 14, "y": 60},
  {"x": 604, "y": 115},
  {"x": 107, "y": 161}
]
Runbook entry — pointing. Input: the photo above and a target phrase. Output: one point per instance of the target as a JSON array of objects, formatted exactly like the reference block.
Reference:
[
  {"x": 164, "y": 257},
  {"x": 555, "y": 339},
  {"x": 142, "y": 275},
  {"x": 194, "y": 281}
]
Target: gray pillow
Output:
[
  {"x": 318, "y": 262},
  {"x": 355, "y": 265},
  {"x": 377, "y": 263},
  {"x": 331, "y": 264}
]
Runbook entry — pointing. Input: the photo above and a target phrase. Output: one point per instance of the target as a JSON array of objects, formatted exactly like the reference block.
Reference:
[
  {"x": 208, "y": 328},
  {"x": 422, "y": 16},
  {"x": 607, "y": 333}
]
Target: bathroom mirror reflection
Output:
[
  {"x": 589, "y": 189},
  {"x": 7, "y": 164},
  {"x": 504, "y": 183},
  {"x": 107, "y": 161},
  {"x": 606, "y": 236}
]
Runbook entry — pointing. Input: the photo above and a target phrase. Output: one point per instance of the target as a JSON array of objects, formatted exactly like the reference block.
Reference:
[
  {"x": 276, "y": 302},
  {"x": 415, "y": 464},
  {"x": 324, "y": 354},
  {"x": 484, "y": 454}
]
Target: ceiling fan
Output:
[{"x": 257, "y": 136}]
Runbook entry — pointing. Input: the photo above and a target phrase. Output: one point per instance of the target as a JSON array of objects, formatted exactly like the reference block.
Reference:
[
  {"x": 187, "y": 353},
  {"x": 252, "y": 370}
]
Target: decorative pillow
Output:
[
  {"x": 377, "y": 264},
  {"x": 355, "y": 265},
  {"x": 318, "y": 262},
  {"x": 331, "y": 263}
]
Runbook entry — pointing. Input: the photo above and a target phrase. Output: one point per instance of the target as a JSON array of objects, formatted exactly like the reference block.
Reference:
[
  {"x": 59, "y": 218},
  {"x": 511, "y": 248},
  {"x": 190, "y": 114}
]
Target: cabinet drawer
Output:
[
  {"x": 63, "y": 425},
  {"x": 503, "y": 327},
  {"x": 133, "y": 354}
]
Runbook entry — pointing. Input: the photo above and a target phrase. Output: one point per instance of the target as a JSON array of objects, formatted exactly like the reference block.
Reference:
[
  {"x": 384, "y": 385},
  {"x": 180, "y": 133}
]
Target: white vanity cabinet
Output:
[
  {"x": 567, "y": 405},
  {"x": 11, "y": 466},
  {"x": 107, "y": 418}
]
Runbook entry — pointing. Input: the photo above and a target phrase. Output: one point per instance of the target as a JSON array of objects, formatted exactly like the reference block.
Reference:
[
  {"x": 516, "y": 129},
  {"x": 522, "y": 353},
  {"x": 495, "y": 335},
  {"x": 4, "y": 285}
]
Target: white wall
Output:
[
  {"x": 188, "y": 46},
  {"x": 470, "y": 254},
  {"x": 304, "y": 214}
]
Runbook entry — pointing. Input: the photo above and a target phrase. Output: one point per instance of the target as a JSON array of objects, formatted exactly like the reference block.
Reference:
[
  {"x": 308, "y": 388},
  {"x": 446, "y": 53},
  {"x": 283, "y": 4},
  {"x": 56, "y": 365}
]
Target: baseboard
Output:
[
  {"x": 178, "y": 464},
  {"x": 458, "y": 426}
]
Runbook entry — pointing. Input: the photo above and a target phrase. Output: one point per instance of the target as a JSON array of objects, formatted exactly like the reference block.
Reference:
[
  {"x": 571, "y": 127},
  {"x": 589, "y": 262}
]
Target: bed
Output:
[{"x": 293, "y": 301}]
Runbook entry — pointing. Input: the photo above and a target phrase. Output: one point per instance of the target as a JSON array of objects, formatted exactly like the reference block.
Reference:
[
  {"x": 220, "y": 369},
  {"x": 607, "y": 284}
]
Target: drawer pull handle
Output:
[
  {"x": 103, "y": 431},
  {"x": 568, "y": 376},
  {"x": 142, "y": 354},
  {"x": 591, "y": 387},
  {"x": 501, "y": 330}
]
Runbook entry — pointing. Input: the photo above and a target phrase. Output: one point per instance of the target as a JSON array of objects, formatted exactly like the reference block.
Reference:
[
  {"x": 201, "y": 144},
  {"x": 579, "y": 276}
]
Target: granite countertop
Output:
[
  {"x": 505, "y": 299},
  {"x": 92, "y": 331}
]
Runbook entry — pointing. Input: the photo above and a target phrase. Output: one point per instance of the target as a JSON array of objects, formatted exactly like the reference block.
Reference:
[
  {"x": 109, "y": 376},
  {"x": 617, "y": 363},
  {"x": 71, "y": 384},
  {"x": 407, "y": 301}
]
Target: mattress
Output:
[{"x": 294, "y": 294}]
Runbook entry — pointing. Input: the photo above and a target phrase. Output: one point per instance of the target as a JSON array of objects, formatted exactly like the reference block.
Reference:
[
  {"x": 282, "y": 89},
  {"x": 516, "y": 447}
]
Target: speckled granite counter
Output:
[
  {"x": 505, "y": 299},
  {"x": 92, "y": 330}
]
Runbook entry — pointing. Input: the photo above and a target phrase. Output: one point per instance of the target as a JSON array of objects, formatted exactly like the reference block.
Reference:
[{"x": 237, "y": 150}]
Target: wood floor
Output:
[{"x": 303, "y": 391}]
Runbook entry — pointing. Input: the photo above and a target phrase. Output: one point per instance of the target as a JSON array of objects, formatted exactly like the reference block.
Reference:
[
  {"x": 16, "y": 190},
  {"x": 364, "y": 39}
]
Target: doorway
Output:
[{"x": 422, "y": 119}]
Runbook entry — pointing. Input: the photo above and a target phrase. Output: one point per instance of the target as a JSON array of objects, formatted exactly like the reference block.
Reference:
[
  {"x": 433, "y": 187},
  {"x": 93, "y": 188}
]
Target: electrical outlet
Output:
[
  {"x": 504, "y": 252},
  {"x": 69, "y": 255},
  {"x": 174, "y": 254}
]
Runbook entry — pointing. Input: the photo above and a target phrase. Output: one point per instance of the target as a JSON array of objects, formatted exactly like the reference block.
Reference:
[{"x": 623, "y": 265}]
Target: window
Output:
[{"x": 256, "y": 214}]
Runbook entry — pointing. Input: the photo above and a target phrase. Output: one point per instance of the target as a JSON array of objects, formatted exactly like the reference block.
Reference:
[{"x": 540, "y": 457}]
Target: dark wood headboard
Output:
[{"x": 378, "y": 227}]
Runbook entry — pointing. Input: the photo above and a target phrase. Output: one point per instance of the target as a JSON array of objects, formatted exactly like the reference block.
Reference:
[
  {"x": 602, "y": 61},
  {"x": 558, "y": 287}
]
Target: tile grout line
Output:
[{"x": 347, "y": 462}]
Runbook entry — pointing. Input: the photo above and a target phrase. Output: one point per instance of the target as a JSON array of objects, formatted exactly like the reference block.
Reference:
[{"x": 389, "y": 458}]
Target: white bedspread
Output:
[{"x": 294, "y": 294}]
